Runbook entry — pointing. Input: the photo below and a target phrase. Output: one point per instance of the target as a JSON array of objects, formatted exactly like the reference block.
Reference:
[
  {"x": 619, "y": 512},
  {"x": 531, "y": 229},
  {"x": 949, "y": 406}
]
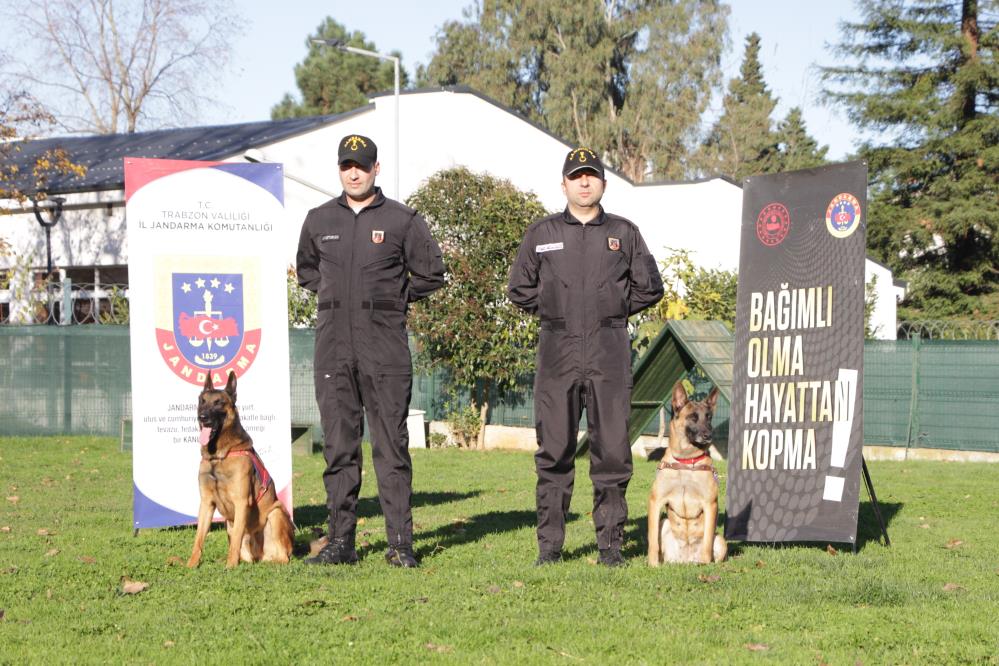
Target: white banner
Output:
[{"x": 207, "y": 294}]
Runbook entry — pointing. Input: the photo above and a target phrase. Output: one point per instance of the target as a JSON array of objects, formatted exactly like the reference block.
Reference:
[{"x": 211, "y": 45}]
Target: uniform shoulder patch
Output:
[{"x": 613, "y": 244}]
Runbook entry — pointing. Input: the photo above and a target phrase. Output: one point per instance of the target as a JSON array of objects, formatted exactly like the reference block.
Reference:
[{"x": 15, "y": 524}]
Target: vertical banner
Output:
[
  {"x": 207, "y": 295},
  {"x": 796, "y": 429}
]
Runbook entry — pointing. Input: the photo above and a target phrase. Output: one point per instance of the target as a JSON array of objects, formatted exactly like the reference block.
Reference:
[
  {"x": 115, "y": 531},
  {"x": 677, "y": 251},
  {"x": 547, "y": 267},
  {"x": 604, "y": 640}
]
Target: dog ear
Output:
[
  {"x": 208, "y": 382},
  {"x": 230, "y": 386},
  {"x": 679, "y": 397},
  {"x": 712, "y": 398}
]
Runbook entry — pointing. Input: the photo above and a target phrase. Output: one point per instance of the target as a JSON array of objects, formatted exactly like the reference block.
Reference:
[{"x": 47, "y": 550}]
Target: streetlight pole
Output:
[{"x": 340, "y": 45}]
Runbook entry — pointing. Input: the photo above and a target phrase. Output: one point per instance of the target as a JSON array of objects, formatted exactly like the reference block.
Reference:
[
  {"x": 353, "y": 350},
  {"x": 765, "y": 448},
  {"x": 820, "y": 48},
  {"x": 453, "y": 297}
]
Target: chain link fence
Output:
[{"x": 76, "y": 380}]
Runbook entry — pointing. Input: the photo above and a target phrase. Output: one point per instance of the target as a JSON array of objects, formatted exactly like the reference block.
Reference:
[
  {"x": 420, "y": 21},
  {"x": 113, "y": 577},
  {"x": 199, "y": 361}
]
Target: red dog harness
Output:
[{"x": 258, "y": 467}]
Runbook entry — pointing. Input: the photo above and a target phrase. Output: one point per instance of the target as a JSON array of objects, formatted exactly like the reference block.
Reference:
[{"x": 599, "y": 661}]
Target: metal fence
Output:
[{"x": 76, "y": 380}]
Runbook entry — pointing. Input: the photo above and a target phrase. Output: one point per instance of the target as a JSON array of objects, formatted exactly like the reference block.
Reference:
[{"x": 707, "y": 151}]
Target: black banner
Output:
[{"x": 796, "y": 429}]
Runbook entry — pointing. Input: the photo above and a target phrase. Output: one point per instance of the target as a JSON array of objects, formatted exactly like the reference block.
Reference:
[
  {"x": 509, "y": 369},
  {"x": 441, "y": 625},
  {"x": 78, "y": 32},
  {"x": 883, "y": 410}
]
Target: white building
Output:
[{"x": 439, "y": 129}]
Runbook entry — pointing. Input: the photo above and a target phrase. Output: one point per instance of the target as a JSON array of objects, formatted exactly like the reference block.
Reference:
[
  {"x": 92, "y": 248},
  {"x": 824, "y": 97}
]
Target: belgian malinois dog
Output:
[
  {"x": 233, "y": 479},
  {"x": 686, "y": 485}
]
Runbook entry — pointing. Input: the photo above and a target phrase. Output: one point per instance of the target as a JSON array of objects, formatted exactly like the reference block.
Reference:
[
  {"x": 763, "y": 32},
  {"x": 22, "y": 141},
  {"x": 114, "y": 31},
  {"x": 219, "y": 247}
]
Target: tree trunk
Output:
[{"x": 483, "y": 413}]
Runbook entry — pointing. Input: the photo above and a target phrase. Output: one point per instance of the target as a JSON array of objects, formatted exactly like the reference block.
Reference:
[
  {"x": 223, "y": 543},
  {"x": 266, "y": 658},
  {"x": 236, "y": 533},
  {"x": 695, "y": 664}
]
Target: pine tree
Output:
[
  {"x": 742, "y": 141},
  {"x": 331, "y": 81},
  {"x": 627, "y": 78},
  {"x": 923, "y": 78},
  {"x": 797, "y": 150}
]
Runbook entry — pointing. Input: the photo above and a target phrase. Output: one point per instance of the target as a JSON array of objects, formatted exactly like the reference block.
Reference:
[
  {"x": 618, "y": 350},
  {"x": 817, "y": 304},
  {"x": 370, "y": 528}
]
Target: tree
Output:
[
  {"x": 923, "y": 79},
  {"x": 105, "y": 68},
  {"x": 742, "y": 141},
  {"x": 469, "y": 326},
  {"x": 332, "y": 81},
  {"x": 627, "y": 78},
  {"x": 796, "y": 149}
]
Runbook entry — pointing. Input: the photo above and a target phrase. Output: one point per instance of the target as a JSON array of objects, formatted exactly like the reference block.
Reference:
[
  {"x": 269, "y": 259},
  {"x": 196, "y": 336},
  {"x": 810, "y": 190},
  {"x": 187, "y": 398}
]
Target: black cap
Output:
[
  {"x": 582, "y": 158},
  {"x": 357, "y": 148}
]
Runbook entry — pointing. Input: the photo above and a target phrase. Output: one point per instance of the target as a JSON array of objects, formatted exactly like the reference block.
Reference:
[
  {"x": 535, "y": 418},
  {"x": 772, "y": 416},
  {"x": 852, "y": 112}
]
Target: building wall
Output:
[{"x": 440, "y": 130}]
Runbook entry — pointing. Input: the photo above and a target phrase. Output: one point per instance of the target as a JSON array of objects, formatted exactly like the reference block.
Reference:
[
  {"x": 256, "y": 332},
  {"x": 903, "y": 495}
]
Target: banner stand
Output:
[{"x": 874, "y": 503}]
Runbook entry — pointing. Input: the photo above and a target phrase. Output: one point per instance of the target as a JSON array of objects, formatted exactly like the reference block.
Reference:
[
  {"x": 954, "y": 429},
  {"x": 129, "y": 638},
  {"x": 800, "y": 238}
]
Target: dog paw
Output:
[{"x": 193, "y": 562}]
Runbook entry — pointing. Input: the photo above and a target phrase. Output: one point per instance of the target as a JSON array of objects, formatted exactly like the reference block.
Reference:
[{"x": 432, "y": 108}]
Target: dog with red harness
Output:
[
  {"x": 233, "y": 479},
  {"x": 686, "y": 486}
]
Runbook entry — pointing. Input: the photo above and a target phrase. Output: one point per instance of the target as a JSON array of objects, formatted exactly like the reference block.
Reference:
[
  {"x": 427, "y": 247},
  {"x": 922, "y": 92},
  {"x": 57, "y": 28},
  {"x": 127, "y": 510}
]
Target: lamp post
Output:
[
  {"x": 56, "y": 213},
  {"x": 340, "y": 45}
]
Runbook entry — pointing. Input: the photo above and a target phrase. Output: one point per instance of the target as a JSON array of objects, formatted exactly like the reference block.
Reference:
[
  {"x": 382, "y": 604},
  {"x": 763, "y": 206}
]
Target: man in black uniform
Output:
[
  {"x": 368, "y": 257},
  {"x": 583, "y": 271}
]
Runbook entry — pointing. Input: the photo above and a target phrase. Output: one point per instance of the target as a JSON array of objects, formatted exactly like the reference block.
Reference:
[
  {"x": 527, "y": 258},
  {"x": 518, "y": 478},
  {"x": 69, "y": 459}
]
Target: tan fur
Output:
[
  {"x": 689, "y": 496},
  {"x": 258, "y": 531}
]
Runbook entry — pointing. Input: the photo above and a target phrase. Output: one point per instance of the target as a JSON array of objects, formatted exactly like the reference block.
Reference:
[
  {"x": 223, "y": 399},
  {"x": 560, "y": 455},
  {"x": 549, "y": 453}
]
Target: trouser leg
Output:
[
  {"x": 339, "y": 401},
  {"x": 557, "y": 408},
  {"x": 607, "y": 409},
  {"x": 386, "y": 399}
]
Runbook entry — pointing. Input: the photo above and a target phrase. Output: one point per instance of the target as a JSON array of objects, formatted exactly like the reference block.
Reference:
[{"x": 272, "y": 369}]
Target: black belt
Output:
[{"x": 365, "y": 305}]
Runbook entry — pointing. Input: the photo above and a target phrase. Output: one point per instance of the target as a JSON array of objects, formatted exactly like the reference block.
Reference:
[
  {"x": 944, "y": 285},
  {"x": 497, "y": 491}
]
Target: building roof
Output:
[{"x": 102, "y": 154}]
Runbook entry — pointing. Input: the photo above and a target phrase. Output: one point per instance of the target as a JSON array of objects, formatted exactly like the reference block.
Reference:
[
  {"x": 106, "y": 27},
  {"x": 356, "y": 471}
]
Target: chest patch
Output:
[
  {"x": 330, "y": 237},
  {"x": 613, "y": 244},
  {"x": 548, "y": 247},
  {"x": 377, "y": 236}
]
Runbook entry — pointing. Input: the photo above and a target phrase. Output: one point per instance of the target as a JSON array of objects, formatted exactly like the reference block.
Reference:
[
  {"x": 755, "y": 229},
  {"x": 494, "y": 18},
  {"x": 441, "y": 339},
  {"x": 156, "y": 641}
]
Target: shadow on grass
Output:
[{"x": 473, "y": 529}]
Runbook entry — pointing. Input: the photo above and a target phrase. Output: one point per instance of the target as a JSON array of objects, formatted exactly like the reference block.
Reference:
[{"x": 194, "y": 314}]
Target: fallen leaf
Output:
[
  {"x": 715, "y": 616},
  {"x": 925, "y": 526},
  {"x": 493, "y": 589},
  {"x": 760, "y": 564},
  {"x": 831, "y": 550},
  {"x": 133, "y": 586},
  {"x": 349, "y": 618},
  {"x": 54, "y": 551},
  {"x": 591, "y": 560},
  {"x": 48, "y": 481},
  {"x": 5, "y": 528},
  {"x": 168, "y": 644},
  {"x": 87, "y": 559},
  {"x": 1, "y": 614},
  {"x": 952, "y": 587},
  {"x": 438, "y": 648},
  {"x": 13, "y": 499},
  {"x": 713, "y": 578},
  {"x": 173, "y": 560},
  {"x": 365, "y": 544},
  {"x": 757, "y": 647},
  {"x": 421, "y": 600},
  {"x": 44, "y": 532},
  {"x": 518, "y": 584},
  {"x": 953, "y": 543},
  {"x": 48, "y": 593},
  {"x": 361, "y": 521}
]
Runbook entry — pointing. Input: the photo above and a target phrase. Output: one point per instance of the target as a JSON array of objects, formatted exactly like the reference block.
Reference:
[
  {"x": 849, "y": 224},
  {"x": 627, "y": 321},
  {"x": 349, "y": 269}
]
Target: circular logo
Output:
[
  {"x": 772, "y": 224},
  {"x": 843, "y": 215}
]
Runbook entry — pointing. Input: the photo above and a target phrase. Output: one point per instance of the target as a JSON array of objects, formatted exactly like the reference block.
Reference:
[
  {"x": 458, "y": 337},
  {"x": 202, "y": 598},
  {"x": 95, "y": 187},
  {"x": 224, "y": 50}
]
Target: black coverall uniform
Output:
[
  {"x": 583, "y": 281},
  {"x": 366, "y": 267}
]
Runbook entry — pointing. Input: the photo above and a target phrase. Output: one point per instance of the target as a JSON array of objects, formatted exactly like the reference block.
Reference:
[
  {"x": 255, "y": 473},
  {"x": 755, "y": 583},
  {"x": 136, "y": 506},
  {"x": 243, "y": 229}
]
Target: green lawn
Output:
[{"x": 66, "y": 544}]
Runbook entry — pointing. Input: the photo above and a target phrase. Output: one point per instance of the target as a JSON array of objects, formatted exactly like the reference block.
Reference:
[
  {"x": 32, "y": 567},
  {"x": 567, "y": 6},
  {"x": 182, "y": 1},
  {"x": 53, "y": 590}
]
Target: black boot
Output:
[
  {"x": 548, "y": 557},
  {"x": 401, "y": 556},
  {"x": 611, "y": 557},
  {"x": 339, "y": 550}
]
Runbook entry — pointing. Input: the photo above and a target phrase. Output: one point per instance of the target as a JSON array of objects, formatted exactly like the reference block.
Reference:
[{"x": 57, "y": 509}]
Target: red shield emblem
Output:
[
  {"x": 377, "y": 236},
  {"x": 614, "y": 244}
]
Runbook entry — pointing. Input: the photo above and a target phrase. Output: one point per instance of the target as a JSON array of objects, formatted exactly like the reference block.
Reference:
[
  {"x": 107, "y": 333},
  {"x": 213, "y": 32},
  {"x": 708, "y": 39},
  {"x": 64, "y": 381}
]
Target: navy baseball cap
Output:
[{"x": 357, "y": 148}]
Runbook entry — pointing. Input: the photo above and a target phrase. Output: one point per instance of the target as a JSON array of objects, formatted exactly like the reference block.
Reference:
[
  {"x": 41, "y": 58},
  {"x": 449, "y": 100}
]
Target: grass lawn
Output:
[{"x": 66, "y": 544}]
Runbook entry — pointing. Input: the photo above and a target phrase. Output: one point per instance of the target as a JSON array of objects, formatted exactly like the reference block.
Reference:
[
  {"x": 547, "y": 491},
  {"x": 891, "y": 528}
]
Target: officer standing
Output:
[
  {"x": 583, "y": 271},
  {"x": 367, "y": 257}
]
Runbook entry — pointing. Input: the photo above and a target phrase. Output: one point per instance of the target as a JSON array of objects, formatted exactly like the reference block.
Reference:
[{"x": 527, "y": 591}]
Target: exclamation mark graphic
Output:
[{"x": 846, "y": 391}]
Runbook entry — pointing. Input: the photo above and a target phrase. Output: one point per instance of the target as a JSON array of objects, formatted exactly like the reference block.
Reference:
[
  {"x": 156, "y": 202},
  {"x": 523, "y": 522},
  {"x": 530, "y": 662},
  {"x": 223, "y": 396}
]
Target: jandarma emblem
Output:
[
  {"x": 772, "y": 224},
  {"x": 354, "y": 141},
  {"x": 377, "y": 236},
  {"x": 582, "y": 155},
  {"x": 614, "y": 244}
]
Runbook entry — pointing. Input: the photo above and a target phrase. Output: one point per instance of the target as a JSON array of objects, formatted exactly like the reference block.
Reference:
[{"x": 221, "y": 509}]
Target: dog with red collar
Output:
[
  {"x": 686, "y": 487},
  {"x": 233, "y": 479}
]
